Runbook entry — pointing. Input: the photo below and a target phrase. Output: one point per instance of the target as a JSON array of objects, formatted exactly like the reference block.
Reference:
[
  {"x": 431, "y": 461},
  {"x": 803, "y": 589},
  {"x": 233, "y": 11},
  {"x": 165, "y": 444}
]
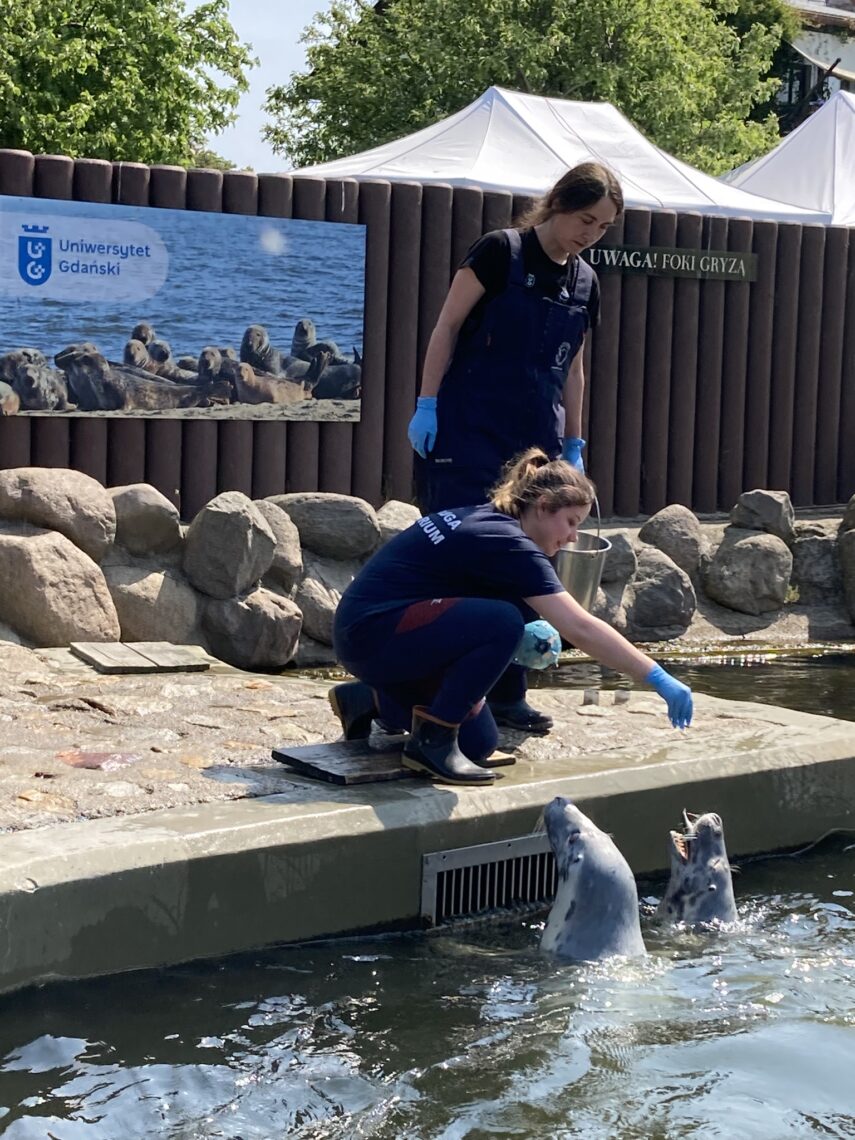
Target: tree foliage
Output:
[
  {"x": 136, "y": 80},
  {"x": 688, "y": 73}
]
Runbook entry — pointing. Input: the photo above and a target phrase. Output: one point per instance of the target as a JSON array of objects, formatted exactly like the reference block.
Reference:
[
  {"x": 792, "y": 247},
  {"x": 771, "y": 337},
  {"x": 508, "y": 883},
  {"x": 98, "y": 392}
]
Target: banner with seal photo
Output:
[{"x": 140, "y": 311}]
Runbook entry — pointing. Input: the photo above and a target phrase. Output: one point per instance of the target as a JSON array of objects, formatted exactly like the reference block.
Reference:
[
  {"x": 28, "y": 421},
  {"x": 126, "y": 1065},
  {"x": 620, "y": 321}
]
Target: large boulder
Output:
[
  {"x": 334, "y": 526},
  {"x": 848, "y": 520},
  {"x": 318, "y": 595},
  {"x": 228, "y": 547},
  {"x": 59, "y": 594},
  {"x": 154, "y": 604},
  {"x": 676, "y": 532},
  {"x": 620, "y": 562},
  {"x": 749, "y": 572},
  {"x": 260, "y": 630},
  {"x": 816, "y": 564},
  {"x": 286, "y": 569},
  {"x": 846, "y": 554},
  {"x": 395, "y": 517},
  {"x": 771, "y": 511},
  {"x": 660, "y": 600},
  {"x": 608, "y": 605},
  {"x": 146, "y": 521},
  {"x": 59, "y": 499}
]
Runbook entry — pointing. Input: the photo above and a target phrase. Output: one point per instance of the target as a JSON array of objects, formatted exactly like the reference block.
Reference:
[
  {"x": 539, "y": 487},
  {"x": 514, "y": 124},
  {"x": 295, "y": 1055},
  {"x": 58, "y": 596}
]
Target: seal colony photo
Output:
[{"x": 141, "y": 311}]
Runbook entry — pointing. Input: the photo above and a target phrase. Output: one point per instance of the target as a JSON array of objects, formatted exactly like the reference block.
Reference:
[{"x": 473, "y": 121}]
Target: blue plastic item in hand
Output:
[
  {"x": 539, "y": 646},
  {"x": 573, "y": 453},
  {"x": 422, "y": 430},
  {"x": 675, "y": 694}
]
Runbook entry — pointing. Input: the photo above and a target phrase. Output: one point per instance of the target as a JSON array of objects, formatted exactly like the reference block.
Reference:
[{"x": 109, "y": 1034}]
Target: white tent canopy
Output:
[
  {"x": 509, "y": 141},
  {"x": 814, "y": 167}
]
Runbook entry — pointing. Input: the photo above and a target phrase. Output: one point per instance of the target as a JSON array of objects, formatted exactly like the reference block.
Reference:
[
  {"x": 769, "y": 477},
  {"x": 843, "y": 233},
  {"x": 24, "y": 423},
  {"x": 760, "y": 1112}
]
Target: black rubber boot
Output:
[
  {"x": 354, "y": 705},
  {"x": 432, "y": 750},
  {"x": 520, "y": 715}
]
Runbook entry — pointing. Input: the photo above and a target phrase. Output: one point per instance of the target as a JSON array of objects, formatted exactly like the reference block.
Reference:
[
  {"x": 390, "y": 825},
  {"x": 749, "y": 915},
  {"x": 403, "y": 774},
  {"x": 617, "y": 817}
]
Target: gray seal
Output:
[
  {"x": 253, "y": 387},
  {"x": 143, "y": 332},
  {"x": 10, "y": 362},
  {"x": 42, "y": 389},
  {"x": 700, "y": 889},
  {"x": 10, "y": 401},
  {"x": 257, "y": 351},
  {"x": 305, "y": 344},
  {"x": 160, "y": 354},
  {"x": 99, "y": 385},
  {"x": 595, "y": 912}
]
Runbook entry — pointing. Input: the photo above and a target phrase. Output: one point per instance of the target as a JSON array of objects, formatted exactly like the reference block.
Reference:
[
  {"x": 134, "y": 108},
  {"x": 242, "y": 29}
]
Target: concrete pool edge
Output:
[{"x": 109, "y": 895}]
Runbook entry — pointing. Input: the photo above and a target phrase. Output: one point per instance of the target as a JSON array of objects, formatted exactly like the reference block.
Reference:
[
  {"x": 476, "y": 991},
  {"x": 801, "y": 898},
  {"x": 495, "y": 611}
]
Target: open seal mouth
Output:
[{"x": 681, "y": 840}]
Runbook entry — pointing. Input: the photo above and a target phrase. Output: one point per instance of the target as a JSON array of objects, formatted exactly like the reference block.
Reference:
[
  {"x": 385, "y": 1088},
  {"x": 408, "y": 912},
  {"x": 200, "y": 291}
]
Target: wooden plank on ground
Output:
[
  {"x": 355, "y": 761},
  {"x": 172, "y": 658},
  {"x": 112, "y": 657}
]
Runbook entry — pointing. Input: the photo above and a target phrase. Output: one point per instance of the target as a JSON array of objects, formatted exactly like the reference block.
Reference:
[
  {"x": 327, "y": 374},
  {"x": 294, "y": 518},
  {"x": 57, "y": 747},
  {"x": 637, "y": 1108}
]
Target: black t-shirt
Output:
[
  {"x": 471, "y": 552},
  {"x": 490, "y": 261}
]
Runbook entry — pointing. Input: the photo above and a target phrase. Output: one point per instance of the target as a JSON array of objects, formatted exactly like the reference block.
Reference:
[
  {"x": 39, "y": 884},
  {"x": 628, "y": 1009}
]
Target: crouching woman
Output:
[{"x": 437, "y": 614}]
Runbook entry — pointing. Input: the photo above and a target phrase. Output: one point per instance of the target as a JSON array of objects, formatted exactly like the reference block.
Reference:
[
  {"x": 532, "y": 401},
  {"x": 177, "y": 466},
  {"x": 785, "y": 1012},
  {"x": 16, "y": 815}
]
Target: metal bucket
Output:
[{"x": 579, "y": 565}]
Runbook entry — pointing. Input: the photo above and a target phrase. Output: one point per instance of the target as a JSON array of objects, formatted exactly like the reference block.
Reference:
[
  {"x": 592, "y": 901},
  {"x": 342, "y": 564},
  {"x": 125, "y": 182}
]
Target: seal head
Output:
[
  {"x": 595, "y": 913},
  {"x": 700, "y": 889}
]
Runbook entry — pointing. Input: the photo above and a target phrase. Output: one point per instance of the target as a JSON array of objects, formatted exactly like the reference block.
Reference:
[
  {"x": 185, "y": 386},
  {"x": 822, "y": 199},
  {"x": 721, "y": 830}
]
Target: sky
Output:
[{"x": 273, "y": 27}]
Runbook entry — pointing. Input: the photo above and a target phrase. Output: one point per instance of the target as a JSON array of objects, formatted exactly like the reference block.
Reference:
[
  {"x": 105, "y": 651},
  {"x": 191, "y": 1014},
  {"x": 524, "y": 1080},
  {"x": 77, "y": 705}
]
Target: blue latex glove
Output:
[
  {"x": 676, "y": 695},
  {"x": 573, "y": 453},
  {"x": 539, "y": 646},
  {"x": 422, "y": 429}
]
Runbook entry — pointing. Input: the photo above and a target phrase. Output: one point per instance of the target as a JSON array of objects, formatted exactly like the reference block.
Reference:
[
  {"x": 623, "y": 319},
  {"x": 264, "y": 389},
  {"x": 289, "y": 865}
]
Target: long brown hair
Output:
[
  {"x": 533, "y": 477},
  {"x": 577, "y": 189}
]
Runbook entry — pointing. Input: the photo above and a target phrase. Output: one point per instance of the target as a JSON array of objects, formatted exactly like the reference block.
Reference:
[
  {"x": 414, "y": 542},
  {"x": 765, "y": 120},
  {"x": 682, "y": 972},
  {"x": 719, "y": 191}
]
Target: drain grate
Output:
[{"x": 492, "y": 876}]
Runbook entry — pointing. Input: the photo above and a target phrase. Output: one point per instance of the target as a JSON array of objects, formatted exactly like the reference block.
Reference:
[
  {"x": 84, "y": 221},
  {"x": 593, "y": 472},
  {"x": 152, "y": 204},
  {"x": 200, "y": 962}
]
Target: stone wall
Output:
[{"x": 257, "y": 582}]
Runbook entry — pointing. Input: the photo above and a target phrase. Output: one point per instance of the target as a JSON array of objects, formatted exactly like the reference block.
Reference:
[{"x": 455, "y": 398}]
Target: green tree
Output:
[
  {"x": 136, "y": 80},
  {"x": 686, "y": 72}
]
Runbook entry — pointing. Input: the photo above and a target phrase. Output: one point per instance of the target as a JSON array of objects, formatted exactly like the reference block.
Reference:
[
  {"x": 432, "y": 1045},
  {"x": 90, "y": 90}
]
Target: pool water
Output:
[
  {"x": 822, "y": 684},
  {"x": 468, "y": 1033}
]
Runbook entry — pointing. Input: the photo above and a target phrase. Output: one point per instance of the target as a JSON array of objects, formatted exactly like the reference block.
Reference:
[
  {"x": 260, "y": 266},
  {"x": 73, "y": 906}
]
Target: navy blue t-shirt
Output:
[{"x": 471, "y": 552}]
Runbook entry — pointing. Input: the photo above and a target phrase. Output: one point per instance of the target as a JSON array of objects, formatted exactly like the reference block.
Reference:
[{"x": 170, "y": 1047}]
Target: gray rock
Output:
[
  {"x": 846, "y": 554},
  {"x": 146, "y": 521},
  {"x": 286, "y": 569},
  {"x": 312, "y": 654},
  {"x": 10, "y": 635},
  {"x": 395, "y": 517},
  {"x": 848, "y": 520},
  {"x": 620, "y": 562},
  {"x": 62, "y": 500},
  {"x": 155, "y": 605},
  {"x": 334, "y": 526},
  {"x": 816, "y": 564},
  {"x": 60, "y": 594},
  {"x": 676, "y": 532},
  {"x": 608, "y": 606},
  {"x": 228, "y": 547},
  {"x": 318, "y": 595},
  {"x": 749, "y": 572},
  {"x": 257, "y": 631},
  {"x": 660, "y": 600},
  {"x": 771, "y": 511}
]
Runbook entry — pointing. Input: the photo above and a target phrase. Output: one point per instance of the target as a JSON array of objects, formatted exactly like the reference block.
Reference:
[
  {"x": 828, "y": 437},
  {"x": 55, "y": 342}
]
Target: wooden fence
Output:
[{"x": 697, "y": 390}]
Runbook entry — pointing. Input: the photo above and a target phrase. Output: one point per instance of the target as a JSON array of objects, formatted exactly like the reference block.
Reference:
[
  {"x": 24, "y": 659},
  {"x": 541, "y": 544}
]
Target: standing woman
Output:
[{"x": 504, "y": 366}]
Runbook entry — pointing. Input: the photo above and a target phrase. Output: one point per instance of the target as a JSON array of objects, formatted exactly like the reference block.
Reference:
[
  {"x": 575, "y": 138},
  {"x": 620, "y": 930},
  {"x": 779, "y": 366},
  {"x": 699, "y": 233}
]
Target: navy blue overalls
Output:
[{"x": 504, "y": 388}]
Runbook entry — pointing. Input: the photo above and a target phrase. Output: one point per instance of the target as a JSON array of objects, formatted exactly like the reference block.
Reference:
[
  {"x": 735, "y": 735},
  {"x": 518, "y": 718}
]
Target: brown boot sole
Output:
[{"x": 423, "y": 770}]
